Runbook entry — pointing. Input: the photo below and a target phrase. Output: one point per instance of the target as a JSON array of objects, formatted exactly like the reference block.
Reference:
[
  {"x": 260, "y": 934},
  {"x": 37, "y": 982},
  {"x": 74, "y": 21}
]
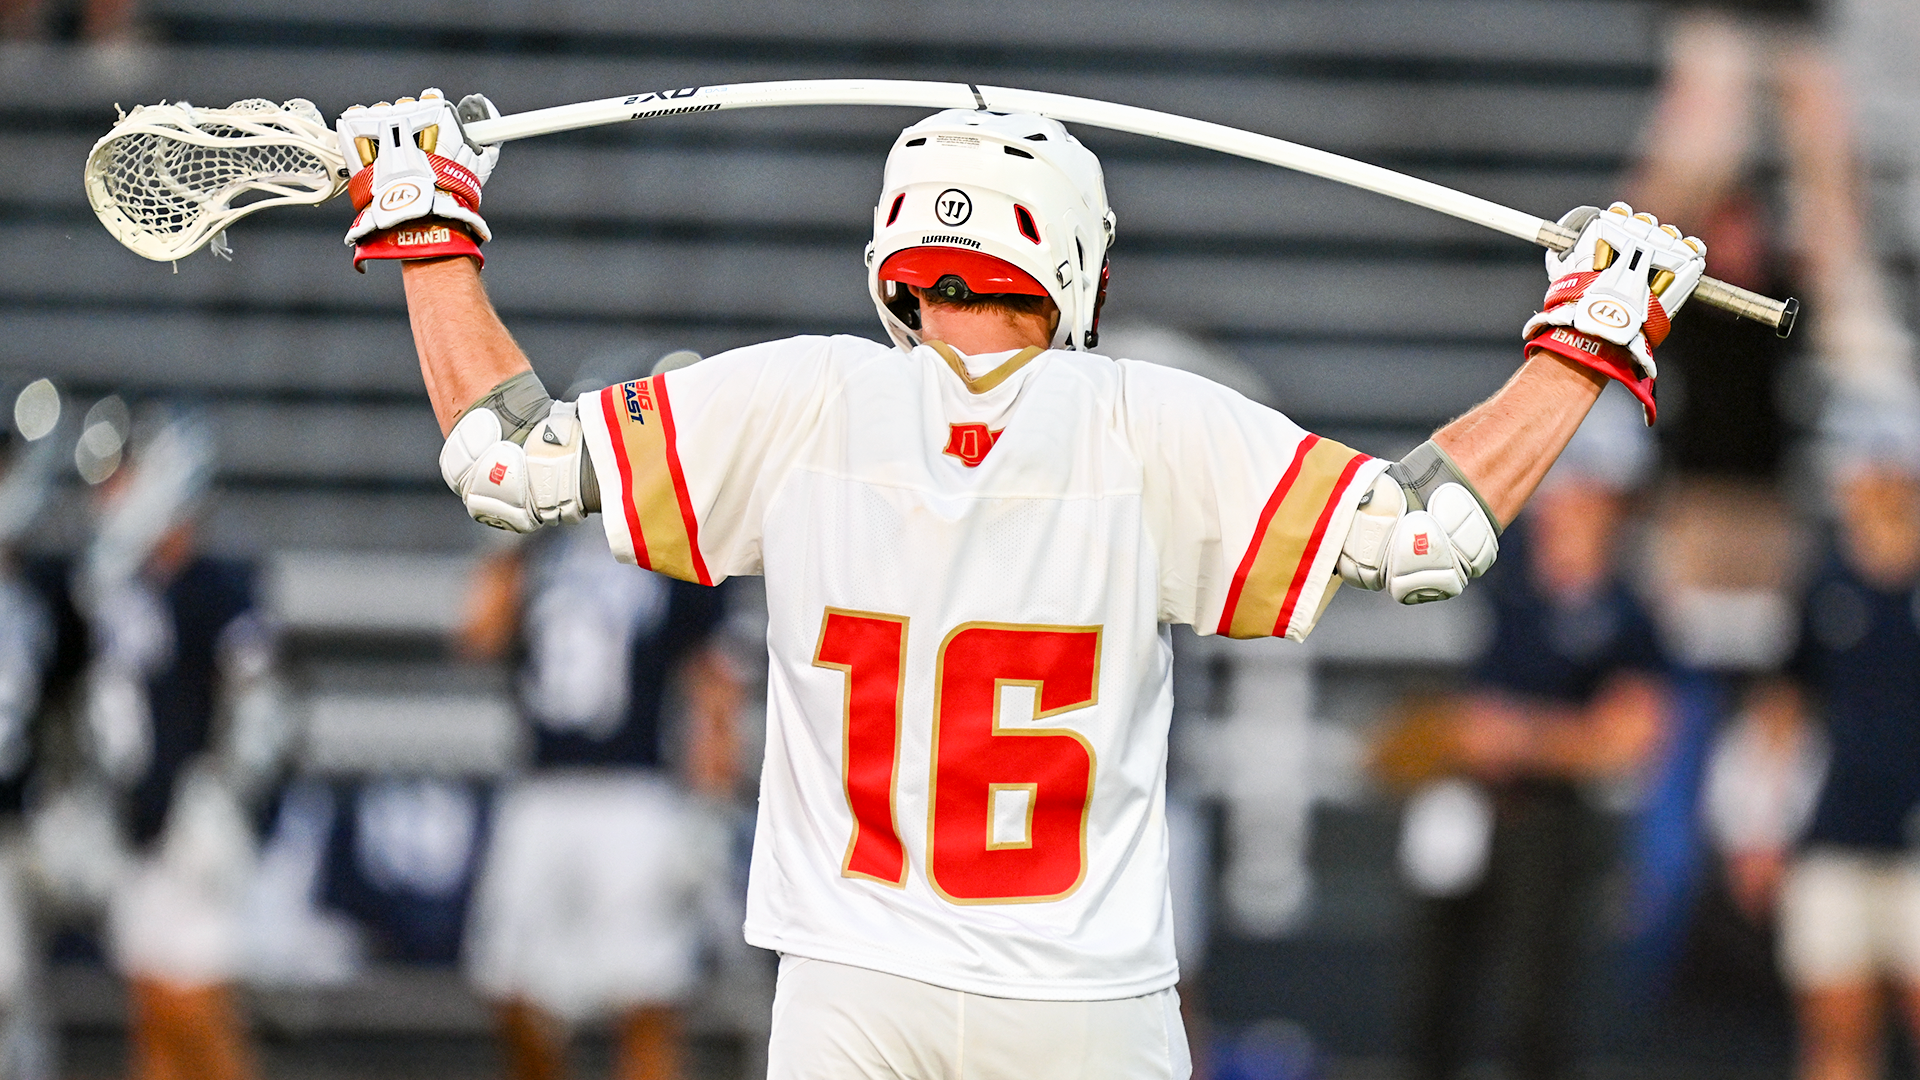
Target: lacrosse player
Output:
[
  {"x": 974, "y": 539},
  {"x": 589, "y": 903}
]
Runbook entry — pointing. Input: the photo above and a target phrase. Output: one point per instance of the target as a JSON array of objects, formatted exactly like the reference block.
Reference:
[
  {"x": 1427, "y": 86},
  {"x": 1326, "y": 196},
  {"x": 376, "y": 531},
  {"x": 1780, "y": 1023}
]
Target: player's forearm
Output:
[
  {"x": 1506, "y": 444},
  {"x": 465, "y": 350}
]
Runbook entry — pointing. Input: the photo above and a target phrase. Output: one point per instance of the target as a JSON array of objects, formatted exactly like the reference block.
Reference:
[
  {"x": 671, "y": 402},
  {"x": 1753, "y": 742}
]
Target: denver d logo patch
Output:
[{"x": 970, "y": 443}]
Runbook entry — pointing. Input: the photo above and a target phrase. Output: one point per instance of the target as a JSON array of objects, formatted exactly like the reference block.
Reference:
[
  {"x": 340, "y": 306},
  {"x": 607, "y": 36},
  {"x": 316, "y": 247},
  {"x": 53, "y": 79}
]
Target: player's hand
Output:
[
  {"x": 1613, "y": 293},
  {"x": 418, "y": 185}
]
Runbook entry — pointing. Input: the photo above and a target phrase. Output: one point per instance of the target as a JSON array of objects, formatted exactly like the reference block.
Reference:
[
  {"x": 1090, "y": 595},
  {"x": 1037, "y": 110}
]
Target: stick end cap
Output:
[{"x": 1789, "y": 311}]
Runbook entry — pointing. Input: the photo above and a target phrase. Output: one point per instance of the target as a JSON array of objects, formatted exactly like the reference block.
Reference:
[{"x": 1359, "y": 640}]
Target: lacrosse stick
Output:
[
  {"x": 169, "y": 178},
  {"x": 272, "y": 155}
]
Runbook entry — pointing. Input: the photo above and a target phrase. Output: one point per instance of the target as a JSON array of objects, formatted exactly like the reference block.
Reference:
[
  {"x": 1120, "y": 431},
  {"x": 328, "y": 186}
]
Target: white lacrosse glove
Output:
[
  {"x": 418, "y": 182},
  {"x": 1418, "y": 556},
  {"x": 514, "y": 487},
  {"x": 1613, "y": 293}
]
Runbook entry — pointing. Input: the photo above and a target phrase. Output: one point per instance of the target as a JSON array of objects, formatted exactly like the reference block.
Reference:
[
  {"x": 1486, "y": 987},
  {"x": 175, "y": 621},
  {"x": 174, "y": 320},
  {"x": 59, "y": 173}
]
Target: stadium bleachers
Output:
[
  {"x": 714, "y": 231},
  {"x": 1371, "y": 321}
]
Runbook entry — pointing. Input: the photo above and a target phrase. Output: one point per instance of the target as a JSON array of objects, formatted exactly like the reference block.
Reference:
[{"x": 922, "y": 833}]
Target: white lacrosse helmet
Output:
[{"x": 1008, "y": 203}]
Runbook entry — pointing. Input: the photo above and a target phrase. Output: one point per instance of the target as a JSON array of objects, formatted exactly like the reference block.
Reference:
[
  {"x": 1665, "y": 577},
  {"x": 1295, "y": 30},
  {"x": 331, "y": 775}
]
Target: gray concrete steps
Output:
[
  {"x": 1200, "y": 197},
  {"x": 1470, "y": 29},
  {"x": 1348, "y": 115}
]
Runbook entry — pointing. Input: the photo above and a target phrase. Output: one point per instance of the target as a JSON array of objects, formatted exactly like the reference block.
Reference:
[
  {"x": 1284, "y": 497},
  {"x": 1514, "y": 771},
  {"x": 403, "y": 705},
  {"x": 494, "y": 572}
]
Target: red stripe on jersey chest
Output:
[{"x": 970, "y": 442}]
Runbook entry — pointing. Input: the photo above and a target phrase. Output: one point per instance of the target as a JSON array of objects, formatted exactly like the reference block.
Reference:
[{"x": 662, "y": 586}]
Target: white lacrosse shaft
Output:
[{"x": 1777, "y": 314}]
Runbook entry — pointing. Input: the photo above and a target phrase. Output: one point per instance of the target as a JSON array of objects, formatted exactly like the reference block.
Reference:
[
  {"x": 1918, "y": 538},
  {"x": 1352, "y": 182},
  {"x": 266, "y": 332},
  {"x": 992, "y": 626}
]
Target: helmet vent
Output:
[
  {"x": 894, "y": 214},
  {"x": 1038, "y": 136},
  {"x": 1079, "y": 253},
  {"x": 1014, "y": 151},
  {"x": 921, "y": 141},
  {"x": 1025, "y": 221}
]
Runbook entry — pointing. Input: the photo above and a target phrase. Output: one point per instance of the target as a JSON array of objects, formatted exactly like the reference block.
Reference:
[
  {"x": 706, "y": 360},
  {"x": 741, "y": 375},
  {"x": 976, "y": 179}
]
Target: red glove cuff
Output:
[
  {"x": 1613, "y": 361},
  {"x": 424, "y": 238}
]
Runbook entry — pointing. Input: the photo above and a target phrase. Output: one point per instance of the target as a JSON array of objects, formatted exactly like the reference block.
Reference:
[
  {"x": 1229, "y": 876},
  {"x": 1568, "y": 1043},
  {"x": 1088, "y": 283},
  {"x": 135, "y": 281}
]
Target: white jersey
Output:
[{"x": 968, "y": 584}]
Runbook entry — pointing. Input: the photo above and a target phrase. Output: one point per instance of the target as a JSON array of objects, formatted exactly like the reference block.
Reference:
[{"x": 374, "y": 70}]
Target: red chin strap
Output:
[{"x": 983, "y": 273}]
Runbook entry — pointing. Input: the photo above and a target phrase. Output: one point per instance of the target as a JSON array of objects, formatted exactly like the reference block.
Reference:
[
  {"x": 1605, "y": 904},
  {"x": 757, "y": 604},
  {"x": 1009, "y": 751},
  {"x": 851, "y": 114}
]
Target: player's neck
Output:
[{"x": 982, "y": 330}]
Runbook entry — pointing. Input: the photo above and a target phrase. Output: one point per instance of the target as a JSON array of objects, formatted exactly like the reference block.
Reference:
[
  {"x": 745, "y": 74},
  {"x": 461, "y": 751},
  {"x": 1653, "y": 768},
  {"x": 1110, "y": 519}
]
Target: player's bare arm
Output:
[
  {"x": 1506, "y": 444},
  {"x": 465, "y": 350}
]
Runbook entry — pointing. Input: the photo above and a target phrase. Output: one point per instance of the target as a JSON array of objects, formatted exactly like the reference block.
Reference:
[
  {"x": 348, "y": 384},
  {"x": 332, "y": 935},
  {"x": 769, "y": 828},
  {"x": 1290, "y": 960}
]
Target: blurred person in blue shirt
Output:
[
  {"x": 179, "y": 729},
  {"x": 589, "y": 905},
  {"x": 1850, "y": 903},
  {"x": 1504, "y": 843}
]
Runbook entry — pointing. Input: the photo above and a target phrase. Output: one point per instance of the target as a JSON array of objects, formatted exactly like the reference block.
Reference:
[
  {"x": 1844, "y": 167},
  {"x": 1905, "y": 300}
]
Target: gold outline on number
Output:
[
  {"x": 1033, "y": 800},
  {"x": 1093, "y": 759},
  {"x": 846, "y": 735}
]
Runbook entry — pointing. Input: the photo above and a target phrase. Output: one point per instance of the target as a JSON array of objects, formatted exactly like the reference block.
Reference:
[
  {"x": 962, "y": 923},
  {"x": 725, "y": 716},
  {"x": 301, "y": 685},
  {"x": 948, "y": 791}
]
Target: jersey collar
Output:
[{"x": 991, "y": 379}]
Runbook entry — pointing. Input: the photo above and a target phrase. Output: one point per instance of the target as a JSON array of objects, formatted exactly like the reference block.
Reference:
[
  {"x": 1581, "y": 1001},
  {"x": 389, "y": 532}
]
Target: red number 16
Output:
[{"x": 983, "y": 775}]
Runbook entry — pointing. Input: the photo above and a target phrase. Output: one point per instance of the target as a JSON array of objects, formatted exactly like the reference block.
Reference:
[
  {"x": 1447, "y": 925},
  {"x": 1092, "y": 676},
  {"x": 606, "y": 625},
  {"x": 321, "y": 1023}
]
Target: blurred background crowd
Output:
[{"x": 303, "y": 774}]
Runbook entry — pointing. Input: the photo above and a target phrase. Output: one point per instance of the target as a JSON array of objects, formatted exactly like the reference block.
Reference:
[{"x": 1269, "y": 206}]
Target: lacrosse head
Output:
[{"x": 169, "y": 178}]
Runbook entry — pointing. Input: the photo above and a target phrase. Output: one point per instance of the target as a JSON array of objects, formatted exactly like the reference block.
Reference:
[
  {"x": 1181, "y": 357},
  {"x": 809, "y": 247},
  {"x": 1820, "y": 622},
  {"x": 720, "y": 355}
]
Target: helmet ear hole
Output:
[{"x": 904, "y": 305}]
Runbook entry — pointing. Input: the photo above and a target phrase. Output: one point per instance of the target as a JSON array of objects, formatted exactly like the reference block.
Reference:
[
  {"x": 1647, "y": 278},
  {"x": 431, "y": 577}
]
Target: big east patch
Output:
[{"x": 639, "y": 399}]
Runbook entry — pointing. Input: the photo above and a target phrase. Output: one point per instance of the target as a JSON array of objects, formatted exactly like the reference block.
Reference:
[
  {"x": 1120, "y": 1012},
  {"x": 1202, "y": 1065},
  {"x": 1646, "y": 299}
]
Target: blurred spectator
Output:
[
  {"x": 175, "y": 721},
  {"x": 1762, "y": 778},
  {"x": 1749, "y": 84},
  {"x": 1503, "y": 841},
  {"x": 1850, "y": 903},
  {"x": 40, "y": 649},
  {"x": 1731, "y": 65},
  {"x": 102, "y": 22},
  {"x": 589, "y": 905}
]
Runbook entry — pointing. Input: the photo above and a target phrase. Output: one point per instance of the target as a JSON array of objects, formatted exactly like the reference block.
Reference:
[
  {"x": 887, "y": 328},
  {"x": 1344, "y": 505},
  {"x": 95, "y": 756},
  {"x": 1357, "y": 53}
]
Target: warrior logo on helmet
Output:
[{"x": 953, "y": 207}]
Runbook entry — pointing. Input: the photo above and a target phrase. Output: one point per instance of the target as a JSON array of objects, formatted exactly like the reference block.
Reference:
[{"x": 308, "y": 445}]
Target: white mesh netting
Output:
[{"x": 168, "y": 178}]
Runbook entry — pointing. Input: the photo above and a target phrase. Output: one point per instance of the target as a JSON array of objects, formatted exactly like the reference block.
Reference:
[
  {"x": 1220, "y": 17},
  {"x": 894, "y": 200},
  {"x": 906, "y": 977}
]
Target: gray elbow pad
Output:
[{"x": 1423, "y": 471}]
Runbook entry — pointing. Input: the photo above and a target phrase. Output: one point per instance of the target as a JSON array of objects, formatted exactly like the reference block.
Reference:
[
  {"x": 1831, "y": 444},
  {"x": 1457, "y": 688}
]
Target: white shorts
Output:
[
  {"x": 838, "y": 1022},
  {"x": 1847, "y": 917},
  {"x": 589, "y": 899}
]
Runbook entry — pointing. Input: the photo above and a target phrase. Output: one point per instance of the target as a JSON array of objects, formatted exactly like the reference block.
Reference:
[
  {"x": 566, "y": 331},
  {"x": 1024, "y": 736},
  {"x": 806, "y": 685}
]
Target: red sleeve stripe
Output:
[
  {"x": 625, "y": 494},
  {"x": 1260, "y": 531},
  {"x": 1313, "y": 547},
  {"x": 680, "y": 481},
  {"x": 1277, "y": 570}
]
